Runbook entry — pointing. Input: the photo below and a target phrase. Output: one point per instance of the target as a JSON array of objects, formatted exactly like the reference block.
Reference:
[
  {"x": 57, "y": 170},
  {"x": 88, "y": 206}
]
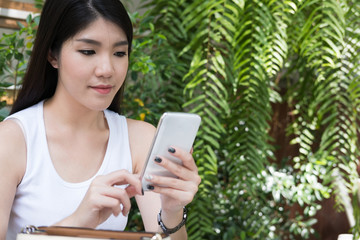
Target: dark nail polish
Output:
[
  {"x": 150, "y": 187},
  {"x": 172, "y": 150},
  {"x": 158, "y": 160},
  {"x": 142, "y": 191}
]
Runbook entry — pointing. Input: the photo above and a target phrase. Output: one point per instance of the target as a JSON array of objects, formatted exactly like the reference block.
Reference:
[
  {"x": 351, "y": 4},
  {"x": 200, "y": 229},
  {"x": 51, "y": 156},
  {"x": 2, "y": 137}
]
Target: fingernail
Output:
[
  {"x": 148, "y": 177},
  {"x": 142, "y": 191},
  {"x": 172, "y": 150},
  {"x": 150, "y": 187},
  {"x": 158, "y": 160}
]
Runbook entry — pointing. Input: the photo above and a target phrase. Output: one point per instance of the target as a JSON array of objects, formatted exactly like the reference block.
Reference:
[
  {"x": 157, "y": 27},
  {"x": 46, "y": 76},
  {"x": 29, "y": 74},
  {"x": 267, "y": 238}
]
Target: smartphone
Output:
[{"x": 177, "y": 129}]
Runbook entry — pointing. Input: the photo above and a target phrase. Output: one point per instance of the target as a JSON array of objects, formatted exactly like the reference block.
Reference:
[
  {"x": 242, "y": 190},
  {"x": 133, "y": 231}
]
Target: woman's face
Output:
[{"x": 92, "y": 65}]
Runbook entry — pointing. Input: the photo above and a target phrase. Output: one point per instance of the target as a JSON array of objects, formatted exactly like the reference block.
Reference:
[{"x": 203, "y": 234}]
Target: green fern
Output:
[
  {"x": 326, "y": 127},
  {"x": 230, "y": 61},
  {"x": 206, "y": 94}
]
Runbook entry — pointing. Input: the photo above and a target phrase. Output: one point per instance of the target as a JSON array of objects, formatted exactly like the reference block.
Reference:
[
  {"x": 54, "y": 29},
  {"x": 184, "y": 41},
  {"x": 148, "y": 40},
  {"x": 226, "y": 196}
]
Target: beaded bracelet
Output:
[{"x": 175, "y": 229}]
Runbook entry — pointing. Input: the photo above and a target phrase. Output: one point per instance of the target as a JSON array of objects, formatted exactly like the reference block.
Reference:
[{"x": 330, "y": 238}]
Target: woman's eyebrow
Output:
[
  {"x": 97, "y": 43},
  {"x": 121, "y": 43}
]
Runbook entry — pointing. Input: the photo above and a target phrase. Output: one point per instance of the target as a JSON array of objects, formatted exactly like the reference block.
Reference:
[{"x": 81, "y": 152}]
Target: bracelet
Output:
[{"x": 175, "y": 229}]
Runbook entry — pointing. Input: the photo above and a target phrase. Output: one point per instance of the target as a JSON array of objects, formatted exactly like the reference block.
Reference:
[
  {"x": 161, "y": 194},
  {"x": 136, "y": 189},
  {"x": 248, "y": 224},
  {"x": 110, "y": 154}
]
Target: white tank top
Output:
[{"x": 43, "y": 197}]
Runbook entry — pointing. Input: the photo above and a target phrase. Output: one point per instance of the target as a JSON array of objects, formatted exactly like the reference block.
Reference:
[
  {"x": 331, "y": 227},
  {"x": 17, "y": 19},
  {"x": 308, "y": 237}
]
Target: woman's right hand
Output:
[{"x": 103, "y": 198}]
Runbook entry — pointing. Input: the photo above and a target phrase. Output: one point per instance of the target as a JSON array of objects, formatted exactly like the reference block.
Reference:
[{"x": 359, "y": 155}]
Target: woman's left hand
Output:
[{"x": 178, "y": 191}]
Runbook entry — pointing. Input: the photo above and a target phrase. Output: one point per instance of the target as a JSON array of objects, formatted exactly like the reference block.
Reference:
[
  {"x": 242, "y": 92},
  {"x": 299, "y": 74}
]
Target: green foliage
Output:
[
  {"x": 2, "y": 105},
  {"x": 15, "y": 50},
  {"x": 325, "y": 107},
  {"x": 235, "y": 60},
  {"x": 152, "y": 85},
  {"x": 39, "y": 3}
]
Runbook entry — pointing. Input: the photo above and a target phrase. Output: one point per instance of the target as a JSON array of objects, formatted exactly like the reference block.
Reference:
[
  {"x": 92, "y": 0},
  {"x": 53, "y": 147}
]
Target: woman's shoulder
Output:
[
  {"x": 134, "y": 126},
  {"x": 140, "y": 125},
  {"x": 10, "y": 131},
  {"x": 12, "y": 139},
  {"x": 140, "y": 132},
  {"x": 141, "y": 135},
  {"x": 12, "y": 147}
]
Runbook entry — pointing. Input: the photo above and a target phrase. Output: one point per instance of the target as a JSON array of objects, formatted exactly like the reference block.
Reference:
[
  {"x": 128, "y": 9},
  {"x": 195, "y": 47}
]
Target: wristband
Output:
[{"x": 175, "y": 229}]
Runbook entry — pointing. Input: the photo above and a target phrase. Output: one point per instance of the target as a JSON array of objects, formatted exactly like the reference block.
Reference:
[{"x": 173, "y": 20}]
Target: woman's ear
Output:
[{"x": 53, "y": 60}]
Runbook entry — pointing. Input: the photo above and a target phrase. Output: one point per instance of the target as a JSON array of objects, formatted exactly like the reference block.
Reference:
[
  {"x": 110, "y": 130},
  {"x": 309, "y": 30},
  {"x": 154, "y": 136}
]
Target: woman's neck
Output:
[{"x": 72, "y": 115}]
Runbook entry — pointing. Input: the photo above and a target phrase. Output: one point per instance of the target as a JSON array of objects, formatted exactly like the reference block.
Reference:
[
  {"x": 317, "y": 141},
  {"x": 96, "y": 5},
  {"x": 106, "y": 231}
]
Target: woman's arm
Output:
[
  {"x": 12, "y": 168},
  {"x": 178, "y": 193},
  {"x": 140, "y": 137}
]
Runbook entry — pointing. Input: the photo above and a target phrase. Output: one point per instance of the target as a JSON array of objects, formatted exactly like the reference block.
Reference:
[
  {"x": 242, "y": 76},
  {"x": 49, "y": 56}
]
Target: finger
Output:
[
  {"x": 104, "y": 203},
  {"x": 132, "y": 191},
  {"x": 169, "y": 182},
  {"x": 116, "y": 208},
  {"x": 178, "y": 170},
  {"x": 122, "y": 177},
  {"x": 186, "y": 158},
  {"x": 118, "y": 196},
  {"x": 183, "y": 197}
]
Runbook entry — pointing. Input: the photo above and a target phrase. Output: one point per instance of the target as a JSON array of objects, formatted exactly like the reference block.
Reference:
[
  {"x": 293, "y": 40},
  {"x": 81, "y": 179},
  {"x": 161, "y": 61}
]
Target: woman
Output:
[{"x": 67, "y": 157}]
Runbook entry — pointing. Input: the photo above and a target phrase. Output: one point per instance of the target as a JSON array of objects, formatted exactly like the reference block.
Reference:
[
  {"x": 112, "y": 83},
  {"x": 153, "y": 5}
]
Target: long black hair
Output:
[{"x": 61, "y": 20}]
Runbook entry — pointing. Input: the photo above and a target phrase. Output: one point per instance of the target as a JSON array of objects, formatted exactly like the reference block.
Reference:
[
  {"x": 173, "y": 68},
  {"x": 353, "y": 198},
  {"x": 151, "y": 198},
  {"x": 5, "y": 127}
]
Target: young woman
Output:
[{"x": 67, "y": 157}]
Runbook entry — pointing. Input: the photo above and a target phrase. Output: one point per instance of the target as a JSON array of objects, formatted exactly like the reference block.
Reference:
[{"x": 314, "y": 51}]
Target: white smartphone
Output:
[{"x": 175, "y": 129}]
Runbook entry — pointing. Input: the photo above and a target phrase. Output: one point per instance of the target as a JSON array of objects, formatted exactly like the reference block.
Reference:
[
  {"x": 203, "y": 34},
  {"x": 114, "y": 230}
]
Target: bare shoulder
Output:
[
  {"x": 140, "y": 126},
  {"x": 12, "y": 148},
  {"x": 12, "y": 167},
  {"x": 140, "y": 136},
  {"x": 10, "y": 133}
]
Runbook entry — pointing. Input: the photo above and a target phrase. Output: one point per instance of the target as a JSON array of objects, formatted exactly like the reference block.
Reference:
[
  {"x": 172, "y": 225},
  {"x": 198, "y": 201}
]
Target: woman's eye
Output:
[
  {"x": 120, "y": 54},
  {"x": 87, "y": 52}
]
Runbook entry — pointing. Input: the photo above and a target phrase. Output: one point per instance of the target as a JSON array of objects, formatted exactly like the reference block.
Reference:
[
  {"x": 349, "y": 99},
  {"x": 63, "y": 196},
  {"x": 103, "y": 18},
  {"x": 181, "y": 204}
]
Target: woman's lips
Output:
[{"x": 102, "y": 89}]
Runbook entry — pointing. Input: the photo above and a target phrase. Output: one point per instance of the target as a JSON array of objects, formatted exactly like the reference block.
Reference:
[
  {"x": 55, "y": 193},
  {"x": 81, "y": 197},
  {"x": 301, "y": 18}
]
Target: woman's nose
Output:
[{"x": 104, "y": 67}]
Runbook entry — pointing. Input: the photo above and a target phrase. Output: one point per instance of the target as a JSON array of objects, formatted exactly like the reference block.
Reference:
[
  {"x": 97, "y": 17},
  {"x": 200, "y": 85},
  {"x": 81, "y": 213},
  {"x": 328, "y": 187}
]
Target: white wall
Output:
[
  {"x": 131, "y": 5},
  {"x": 5, "y": 12}
]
